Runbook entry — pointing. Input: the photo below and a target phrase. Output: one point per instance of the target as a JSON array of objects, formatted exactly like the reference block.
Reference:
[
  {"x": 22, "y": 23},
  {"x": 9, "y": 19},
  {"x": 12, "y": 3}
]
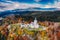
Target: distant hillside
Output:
[{"x": 41, "y": 15}]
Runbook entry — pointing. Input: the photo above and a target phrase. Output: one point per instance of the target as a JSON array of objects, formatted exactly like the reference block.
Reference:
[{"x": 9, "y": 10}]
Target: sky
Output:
[{"x": 6, "y": 5}]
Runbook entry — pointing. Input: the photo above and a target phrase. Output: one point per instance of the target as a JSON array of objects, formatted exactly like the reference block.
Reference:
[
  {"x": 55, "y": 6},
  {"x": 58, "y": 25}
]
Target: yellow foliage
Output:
[{"x": 20, "y": 32}]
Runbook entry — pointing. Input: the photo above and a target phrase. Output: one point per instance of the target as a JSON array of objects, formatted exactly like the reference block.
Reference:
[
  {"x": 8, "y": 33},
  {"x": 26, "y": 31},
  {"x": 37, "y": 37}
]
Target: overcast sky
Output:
[{"x": 26, "y": 4}]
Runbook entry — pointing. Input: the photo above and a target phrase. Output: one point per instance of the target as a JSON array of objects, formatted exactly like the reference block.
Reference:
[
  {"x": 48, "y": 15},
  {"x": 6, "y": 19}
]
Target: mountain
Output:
[{"x": 41, "y": 15}]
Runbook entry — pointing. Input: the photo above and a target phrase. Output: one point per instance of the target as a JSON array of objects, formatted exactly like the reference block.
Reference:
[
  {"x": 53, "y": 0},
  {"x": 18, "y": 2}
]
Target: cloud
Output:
[
  {"x": 9, "y": 5},
  {"x": 58, "y": 5},
  {"x": 58, "y": 0},
  {"x": 37, "y": 0},
  {"x": 17, "y": 5}
]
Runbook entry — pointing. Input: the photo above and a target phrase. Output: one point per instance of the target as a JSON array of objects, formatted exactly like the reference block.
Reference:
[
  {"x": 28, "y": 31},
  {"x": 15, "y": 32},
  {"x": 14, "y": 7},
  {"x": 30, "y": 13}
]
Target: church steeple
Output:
[
  {"x": 35, "y": 20},
  {"x": 36, "y": 23}
]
